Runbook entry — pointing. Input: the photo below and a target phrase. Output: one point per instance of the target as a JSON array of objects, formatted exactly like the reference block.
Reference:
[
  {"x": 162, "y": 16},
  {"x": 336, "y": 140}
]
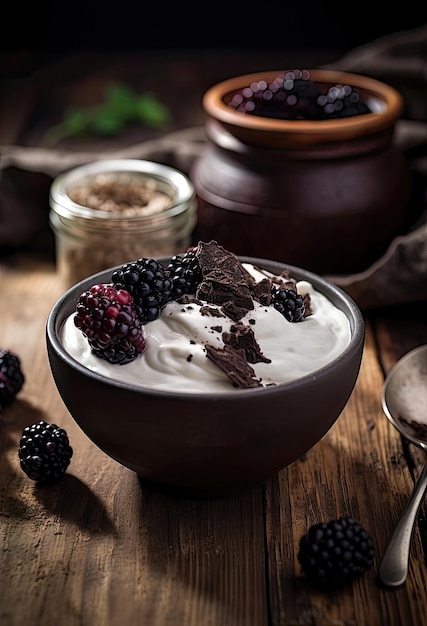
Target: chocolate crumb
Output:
[
  {"x": 307, "y": 305},
  {"x": 217, "y": 329},
  {"x": 234, "y": 364},
  {"x": 190, "y": 358},
  {"x": 211, "y": 310},
  {"x": 189, "y": 299}
]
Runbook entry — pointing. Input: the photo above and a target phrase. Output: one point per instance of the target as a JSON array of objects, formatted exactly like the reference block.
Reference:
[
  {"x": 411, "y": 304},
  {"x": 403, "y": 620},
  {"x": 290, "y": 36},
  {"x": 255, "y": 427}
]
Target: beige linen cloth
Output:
[{"x": 400, "y": 275}]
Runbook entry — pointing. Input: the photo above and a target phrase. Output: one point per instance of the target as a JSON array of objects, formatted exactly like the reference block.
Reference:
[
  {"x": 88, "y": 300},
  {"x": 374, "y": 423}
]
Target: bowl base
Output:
[{"x": 196, "y": 492}]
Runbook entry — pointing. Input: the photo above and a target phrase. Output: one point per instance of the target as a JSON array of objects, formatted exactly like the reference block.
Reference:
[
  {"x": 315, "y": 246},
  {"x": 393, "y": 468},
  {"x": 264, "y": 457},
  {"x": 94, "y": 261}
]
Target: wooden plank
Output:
[
  {"x": 358, "y": 470},
  {"x": 98, "y": 548}
]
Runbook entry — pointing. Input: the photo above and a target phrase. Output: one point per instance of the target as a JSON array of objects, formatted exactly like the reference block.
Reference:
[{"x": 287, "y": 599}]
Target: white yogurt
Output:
[{"x": 175, "y": 355}]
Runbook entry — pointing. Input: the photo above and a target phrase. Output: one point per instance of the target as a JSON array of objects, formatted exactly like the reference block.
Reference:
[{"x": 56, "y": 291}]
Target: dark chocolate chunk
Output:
[
  {"x": 261, "y": 292},
  {"x": 232, "y": 311},
  {"x": 219, "y": 287},
  {"x": 233, "y": 362},
  {"x": 242, "y": 336},
  {"x": 224, "y": 278}
]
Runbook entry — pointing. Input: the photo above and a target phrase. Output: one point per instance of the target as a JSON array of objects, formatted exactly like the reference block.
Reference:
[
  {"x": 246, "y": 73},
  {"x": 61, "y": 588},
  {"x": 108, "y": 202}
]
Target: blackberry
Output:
[
  {"x": 289, "y": 96},
  {"x": 108, "y": 319},
  {"x": 332, "y": 554},
  {"x": 185, "y": 274},
  {"x": 294, "y": 95},
  {"x": 289, "y": 303},
  {"x": 301, "y": 95},
  {"x": 148, "y": 283},
  {"x": 11, "y": 377},
  {"x": 341, "y": 101},
  {"x": 44, "y": 452}
]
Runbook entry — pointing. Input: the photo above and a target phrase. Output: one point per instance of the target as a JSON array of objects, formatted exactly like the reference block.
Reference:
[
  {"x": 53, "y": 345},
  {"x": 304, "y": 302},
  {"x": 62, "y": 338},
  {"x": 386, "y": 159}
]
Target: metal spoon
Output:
[{"x": 404, "y": 402}]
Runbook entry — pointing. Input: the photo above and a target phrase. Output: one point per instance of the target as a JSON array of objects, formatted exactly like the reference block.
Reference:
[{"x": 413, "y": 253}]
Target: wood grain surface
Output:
[{"x": 100, "y": 549}]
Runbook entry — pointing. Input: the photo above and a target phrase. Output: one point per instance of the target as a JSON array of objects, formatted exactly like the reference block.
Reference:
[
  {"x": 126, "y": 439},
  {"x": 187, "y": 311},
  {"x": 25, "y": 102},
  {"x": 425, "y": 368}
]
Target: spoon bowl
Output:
[
  {"x": 404, "y": 401},
  {"x": 404, "y": 397}
]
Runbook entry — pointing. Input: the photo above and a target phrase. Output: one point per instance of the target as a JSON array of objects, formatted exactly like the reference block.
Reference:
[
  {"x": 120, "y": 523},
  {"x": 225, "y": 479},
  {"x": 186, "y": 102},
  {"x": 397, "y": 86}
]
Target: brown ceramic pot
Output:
[{"x": 327, "y": 195}]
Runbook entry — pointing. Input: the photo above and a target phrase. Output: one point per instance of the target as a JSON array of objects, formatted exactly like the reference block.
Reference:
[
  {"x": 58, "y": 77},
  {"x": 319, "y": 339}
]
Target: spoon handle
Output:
[{"x": 394, "y": 565}]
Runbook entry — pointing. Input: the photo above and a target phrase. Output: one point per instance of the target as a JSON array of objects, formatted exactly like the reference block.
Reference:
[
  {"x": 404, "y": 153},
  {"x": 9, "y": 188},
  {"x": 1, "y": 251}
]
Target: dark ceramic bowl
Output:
[{"x": 206, "y": 445}]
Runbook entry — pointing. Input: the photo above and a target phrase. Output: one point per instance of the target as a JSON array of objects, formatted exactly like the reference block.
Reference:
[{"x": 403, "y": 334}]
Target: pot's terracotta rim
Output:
[{"x": 215, "y": 105}]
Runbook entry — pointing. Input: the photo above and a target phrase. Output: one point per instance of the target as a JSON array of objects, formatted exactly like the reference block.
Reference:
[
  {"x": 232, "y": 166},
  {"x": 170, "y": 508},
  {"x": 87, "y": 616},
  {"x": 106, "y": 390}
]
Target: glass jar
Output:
[{"x": 109, "y": 212}]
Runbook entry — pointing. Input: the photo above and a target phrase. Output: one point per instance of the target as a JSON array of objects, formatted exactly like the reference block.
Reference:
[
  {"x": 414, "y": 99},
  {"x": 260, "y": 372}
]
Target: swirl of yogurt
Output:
[{"x": 175, "y": 356}]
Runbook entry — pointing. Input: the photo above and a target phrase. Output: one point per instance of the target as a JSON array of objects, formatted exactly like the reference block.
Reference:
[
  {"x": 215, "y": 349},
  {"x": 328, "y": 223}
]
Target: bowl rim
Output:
[
  {"x": 63, "y": 307},
  {"x": 215, "y": 106}
]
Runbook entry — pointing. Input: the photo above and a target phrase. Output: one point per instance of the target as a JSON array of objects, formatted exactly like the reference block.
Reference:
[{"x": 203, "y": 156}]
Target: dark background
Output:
[
  {"x": 56, "y": 55},
  {"x": 39, "y": 31},
  {"x": 127, "y": 24}
]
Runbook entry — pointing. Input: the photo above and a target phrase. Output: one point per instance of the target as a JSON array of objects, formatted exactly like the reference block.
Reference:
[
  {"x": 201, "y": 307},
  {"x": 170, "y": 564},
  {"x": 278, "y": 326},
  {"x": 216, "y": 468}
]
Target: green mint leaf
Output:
[
  {"x": 150, "y": 111},
  {"x": 107, "y": 124},
  {"x": 121, "y": 99},
  {"x": 76, "y": 121},
  {"x": 120, "y": 106}
]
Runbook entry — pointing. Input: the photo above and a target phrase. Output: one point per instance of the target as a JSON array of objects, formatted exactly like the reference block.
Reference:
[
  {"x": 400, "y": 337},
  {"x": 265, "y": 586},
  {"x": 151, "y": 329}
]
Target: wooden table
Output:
[{"x": 98, "y": 549}]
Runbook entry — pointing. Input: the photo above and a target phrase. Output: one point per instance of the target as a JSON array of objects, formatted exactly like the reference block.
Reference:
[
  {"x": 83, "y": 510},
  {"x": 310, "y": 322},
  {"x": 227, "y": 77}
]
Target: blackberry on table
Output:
[
  {"x": 11, "y": 377},
  {"x": 332, "y": 554},
  {"x": 108, "y": 319},
  {"x": 44, "y": 452},
  {"x": 289, "y": 303},
  {"x": 148, "y": 283},
  {"x": 185, "y": 274}
]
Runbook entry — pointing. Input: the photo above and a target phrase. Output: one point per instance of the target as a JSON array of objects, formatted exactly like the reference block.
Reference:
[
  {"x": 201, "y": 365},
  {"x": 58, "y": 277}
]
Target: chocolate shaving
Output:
[
  {"x": 234, "y": 364},
  {"x": 242, "y": 337},
  {"x": 307, "y": 305}
]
